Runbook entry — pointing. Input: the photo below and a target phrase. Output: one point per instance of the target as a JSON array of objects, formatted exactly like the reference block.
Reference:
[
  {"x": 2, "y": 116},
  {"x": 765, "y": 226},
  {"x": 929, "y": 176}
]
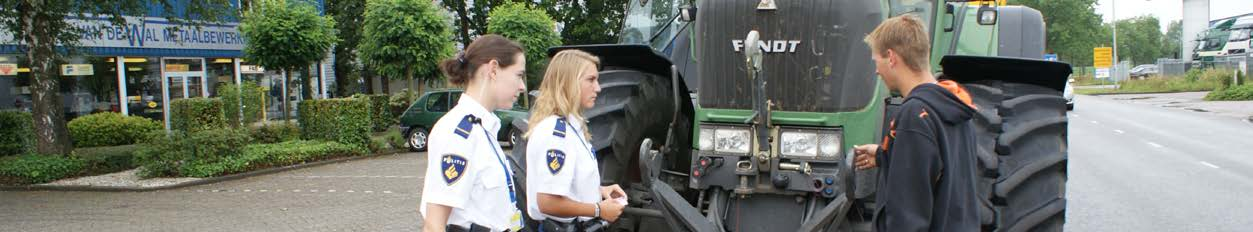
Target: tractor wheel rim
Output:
[{"x": 418, "y": 140}]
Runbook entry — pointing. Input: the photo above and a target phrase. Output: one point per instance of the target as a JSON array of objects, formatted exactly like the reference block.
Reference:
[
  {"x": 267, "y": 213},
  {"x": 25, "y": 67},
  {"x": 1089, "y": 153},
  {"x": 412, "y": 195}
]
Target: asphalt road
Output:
[{"x": 1137, "y": 167}]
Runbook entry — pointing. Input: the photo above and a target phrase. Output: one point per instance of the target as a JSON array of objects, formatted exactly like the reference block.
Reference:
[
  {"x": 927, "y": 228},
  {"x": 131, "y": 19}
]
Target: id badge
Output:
[{"x": 515, "y": 222}]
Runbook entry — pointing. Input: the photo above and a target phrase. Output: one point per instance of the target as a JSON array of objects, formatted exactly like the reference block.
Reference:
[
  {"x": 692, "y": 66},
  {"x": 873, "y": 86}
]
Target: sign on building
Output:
[
  {"x": 77, "y": 70},
  {"x": 8, "y": 69},
  {"x": 251, "y": 69}
]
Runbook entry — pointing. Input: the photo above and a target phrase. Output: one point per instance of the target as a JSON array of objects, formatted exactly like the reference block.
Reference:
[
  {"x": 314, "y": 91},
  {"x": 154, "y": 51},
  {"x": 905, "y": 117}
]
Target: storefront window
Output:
[
  {"x": 88, "y": 85},
  {"x": 143, "y": 87},
  {"x": 221, "y": 72}
]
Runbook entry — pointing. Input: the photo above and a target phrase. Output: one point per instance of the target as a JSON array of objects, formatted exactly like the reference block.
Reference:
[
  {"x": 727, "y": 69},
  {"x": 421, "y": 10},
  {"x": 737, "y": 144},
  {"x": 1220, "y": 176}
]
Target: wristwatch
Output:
[{"x": 597, "y": 204}]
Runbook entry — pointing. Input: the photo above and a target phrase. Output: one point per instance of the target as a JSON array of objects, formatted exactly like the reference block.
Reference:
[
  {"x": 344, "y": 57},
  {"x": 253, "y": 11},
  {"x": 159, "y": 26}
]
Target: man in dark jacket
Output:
[{"x": 927, "y": 164}]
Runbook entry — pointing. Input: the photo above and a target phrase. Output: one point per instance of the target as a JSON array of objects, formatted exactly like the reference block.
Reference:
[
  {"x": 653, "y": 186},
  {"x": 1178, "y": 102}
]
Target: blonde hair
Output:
[
  {"x": 907, "y": 36},
  {"x": 559, "y": 92}
]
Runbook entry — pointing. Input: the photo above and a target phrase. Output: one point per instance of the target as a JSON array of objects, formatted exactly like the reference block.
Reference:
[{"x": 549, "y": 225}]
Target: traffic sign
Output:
[
  {"x": 1102, "y": 57},
  {"x": 1102, "y": 73},
  {"x": 1050, "y": 57}
]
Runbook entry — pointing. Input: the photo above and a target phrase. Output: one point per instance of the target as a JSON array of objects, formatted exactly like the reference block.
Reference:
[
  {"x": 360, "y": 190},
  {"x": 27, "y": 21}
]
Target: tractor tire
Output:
[
  {"x": 1022, "y": 154},
  {"x": 632, "y": 106}
]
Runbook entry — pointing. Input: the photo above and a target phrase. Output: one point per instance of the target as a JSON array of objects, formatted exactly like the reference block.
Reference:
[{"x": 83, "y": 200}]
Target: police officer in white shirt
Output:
[
  {"x": 563, "y": 180},
  {"x": 469, "y": 183}
]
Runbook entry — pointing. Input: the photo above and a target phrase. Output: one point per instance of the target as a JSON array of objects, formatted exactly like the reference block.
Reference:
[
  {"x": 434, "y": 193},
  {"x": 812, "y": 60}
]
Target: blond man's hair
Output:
[
  {"x": 559, "y": 93},
  {"x": 907, "y": 36}
]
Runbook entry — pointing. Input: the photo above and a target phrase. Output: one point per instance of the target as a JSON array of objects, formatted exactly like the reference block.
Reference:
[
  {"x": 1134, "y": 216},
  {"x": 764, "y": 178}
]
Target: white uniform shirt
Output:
[
  {"x": 464, "y": 168},
  {"x": 560, "y": 161}
]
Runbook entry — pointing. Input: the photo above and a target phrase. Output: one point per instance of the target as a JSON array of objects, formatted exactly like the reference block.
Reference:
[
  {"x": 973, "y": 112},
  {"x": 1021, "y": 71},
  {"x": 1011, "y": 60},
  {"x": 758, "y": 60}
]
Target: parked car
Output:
[
  {"x": 1069, "y": 94},
  {"x": 1143, "y": 71},
  {"x": 417, "y": 120}
]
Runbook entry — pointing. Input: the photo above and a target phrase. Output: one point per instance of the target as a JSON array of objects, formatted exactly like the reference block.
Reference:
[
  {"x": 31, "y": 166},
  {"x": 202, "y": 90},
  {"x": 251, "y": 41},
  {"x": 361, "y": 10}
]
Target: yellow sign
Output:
[
  {"x": 152, "y": 104},
  {"x": 1102, "y": 57},
  {"x": 8, "y": 69},
  {"x": 177, "y": 67}
]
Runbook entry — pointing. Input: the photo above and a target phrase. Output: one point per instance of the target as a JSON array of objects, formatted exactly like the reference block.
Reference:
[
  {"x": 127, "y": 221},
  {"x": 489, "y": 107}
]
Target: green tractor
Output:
[{"x": 710, "y": 128}]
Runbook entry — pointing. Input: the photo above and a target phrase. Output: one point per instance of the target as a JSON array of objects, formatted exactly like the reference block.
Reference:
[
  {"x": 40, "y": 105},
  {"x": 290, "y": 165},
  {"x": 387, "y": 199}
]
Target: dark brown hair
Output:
[{"x": 460, "y": 68}]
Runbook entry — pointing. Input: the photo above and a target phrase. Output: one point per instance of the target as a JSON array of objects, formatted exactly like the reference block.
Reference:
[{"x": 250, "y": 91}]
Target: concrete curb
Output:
[
  {"x": 1110, "y": 94},
  {"x": 211, "y": 180}
]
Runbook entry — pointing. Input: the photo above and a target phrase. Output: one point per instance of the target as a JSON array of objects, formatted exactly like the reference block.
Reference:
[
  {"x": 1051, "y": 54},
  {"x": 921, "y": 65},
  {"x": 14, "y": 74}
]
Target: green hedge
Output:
[
  {"x": 16, "y": 133},
  {"x": 196, "y": 114},
  {"x": 110, "y": 129},
  {"x": 346, "y": 121},
  {"x": 381, "y": 116},
  {"x": 274, "y": 132},
  {"x": 252, "y": 97},
  {"x": 258, "y": 156},
  {"x": 107, "y": 159},
  {"x": 168, "y": 155},
  {"x": 34, "y": 168}
]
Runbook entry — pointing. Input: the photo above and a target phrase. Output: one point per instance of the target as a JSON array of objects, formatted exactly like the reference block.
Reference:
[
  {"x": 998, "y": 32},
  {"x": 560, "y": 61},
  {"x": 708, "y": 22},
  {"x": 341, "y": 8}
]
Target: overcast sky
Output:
[{"x": 1170, "y": 10}]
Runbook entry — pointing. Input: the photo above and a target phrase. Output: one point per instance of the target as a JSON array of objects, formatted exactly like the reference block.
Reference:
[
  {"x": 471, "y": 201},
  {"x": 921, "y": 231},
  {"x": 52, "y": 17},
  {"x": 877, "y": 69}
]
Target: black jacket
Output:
[{"x": 927, "y": 164}]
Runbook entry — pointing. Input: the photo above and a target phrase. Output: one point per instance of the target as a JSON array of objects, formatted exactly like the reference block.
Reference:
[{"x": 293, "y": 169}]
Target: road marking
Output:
[
  {"x": 263, "y": 190},
  {"x": 1095, "y": 122},
  {"x": 369, "y": 191},
  {"x": 1154, "y": 144},
  {"x": 1209, "y": 164},
  {"x": 1074, "y": 115},
  {"x": 297, "y": 190},
  {"x": 247, "y": 190},
  {"x": 330, "y": 191},
  {"x": 1119, "y": 131},
  {"x": 387, "y": 191},
  {"x": 351, "y": 191},
  {"x": 313, "y": 191}
]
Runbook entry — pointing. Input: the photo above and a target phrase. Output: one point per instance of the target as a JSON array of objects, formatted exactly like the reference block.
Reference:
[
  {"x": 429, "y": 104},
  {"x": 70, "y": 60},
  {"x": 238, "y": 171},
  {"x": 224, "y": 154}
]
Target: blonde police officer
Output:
[
  {"x": 469, "y": 184},
  {"x": 563, "y": 182}
]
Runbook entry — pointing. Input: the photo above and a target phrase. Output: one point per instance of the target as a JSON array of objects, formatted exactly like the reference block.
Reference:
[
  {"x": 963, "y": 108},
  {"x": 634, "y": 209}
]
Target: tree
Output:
[
  {"x": 286, "y": 35},
  {"x": 1139, "y": 40},
  {"x": 405, "y": 38},
  {"x": 1172, "y": 43},
  {"x": 530, "y": 27},
  {"x": 587, "y": 22},
  {"x": 41, "y": 28},
  {"x": 348, "y": 23},
  {"x": 1070, "y": 28}
]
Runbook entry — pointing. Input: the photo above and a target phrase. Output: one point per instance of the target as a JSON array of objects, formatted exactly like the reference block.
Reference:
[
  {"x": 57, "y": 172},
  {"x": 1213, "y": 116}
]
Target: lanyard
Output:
[
  {"x": 581, "y": 140},
  {"x": 513, "y": 198}
]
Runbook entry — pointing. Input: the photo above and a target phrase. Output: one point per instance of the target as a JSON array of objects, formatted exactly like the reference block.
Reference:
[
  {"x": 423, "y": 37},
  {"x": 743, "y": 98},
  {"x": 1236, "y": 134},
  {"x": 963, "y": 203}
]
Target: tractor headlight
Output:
[
  {"x": 812, "y": 144},
  {"x": 799, "y": 144},
  {"x": 706, "y": 142},
  {"x": 732, "y": 140}
]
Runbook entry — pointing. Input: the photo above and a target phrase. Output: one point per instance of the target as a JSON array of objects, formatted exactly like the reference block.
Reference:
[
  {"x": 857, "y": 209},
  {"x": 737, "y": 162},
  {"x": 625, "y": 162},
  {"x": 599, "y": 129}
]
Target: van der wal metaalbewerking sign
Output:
[{"x": 154, "y": 32}]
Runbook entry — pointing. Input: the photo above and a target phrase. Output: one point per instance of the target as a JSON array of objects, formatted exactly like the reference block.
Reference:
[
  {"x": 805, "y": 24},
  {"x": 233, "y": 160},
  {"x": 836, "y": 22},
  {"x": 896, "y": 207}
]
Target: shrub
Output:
[
  {"x": 107, "y": 159},
  {"x": 196, "y": 114},
  {"x": 110, "y": 129},
  {"x": 274, "y": 132},
  {"x": 346, "y": 121},
  {"x": 259, "y": 156},
  {"x": 171, "y": 155},
  {"x": 399, "y": 102},
  {"x": 161, "y": 154},
  {"x": 212, "y": 144},
  {"x": 34, "y": 168},
  {"x": 381, "y": 116},
  {"x": 1237, "y": 93},
  {"x": 248, "y": 100},
  {"x": 16, "y": 133}
]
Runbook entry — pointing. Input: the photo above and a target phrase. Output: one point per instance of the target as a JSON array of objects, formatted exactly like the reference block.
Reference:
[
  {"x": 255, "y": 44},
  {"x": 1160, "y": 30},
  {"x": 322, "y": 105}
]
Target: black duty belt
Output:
[
  {"x": 473, "y": 228},
  {"x": 594, "y": 225}
]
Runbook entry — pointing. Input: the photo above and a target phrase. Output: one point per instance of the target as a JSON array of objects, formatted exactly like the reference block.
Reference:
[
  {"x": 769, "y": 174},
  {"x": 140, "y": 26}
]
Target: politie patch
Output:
[
  {"x": 556, "y": 160},
  {"x": 454, "y": 167}
]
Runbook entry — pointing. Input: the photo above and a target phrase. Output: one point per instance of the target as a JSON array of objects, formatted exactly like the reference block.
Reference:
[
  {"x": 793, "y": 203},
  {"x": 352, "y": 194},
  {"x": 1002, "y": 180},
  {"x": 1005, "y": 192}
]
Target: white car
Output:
[{"x": 1069, "y": 94}]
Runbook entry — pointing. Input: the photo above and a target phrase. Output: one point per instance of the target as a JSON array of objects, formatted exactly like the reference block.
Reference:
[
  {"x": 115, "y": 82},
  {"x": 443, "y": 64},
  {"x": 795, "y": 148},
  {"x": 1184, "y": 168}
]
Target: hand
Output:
[
  {"x": 610, "y": 210},
  {"x": 611, "y": 192},
  {"x": 865, "y": 156}
]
